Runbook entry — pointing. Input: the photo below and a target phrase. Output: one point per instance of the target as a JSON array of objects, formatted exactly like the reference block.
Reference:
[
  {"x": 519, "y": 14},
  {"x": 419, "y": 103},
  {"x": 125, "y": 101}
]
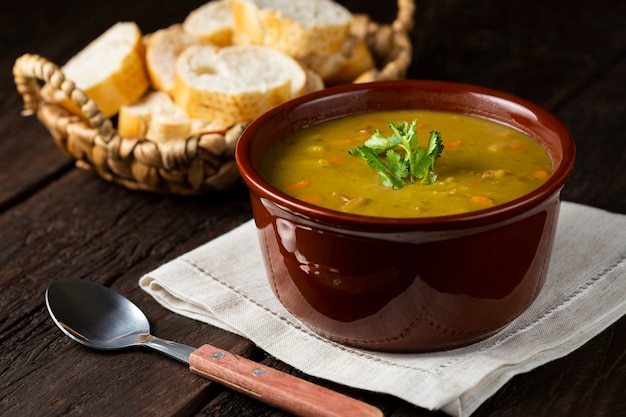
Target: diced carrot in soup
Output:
[
  {"x": 298, "y": 184},
  {"x": 484, "y": 164},
  {"x": 336, "y": 159}
]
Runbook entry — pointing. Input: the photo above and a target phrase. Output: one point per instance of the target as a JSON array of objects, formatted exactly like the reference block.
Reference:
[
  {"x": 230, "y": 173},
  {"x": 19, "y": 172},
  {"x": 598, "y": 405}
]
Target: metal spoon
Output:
[{"x": 100, "y": 318}]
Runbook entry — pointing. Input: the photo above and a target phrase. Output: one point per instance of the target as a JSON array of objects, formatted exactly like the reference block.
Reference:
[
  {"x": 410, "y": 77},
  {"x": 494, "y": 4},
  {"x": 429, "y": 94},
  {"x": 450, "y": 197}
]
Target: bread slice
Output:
[
  {"x": 344, "y": 66},
  {"x": 296, "y": 27},
  {"x": 110, "y": 70},
  {"x": 162, "y": 50},
  {"x": 155, "y": 116},
  {"x": 212, "y": 22},
  {"x": 236, "y": 83}
]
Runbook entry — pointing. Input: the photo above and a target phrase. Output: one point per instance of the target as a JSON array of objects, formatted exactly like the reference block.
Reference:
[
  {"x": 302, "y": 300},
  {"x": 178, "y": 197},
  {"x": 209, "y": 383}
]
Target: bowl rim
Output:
[{"x": 552, "y": 186}]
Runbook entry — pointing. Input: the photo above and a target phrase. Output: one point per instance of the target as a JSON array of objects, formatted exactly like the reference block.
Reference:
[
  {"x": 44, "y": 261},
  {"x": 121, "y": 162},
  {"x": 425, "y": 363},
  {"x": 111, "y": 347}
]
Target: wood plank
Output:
[
  {"x": 78, "y": 243},
  {"x": 59, "y": 221},
  {"x": 544, "y": 51},
  {"x": 595, "y": 116},
  {"x": 589, "y": 382}
]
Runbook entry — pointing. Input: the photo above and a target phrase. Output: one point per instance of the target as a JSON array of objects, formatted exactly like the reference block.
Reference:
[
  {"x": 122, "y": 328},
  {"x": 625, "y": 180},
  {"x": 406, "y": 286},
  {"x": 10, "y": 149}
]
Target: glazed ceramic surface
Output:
[{"x": 405, "y": 284}]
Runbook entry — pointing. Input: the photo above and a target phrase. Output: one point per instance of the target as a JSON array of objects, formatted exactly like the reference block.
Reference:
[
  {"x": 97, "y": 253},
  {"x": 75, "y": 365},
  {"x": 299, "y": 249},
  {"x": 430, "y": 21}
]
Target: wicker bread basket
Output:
[{"x": 185, "y": 166}]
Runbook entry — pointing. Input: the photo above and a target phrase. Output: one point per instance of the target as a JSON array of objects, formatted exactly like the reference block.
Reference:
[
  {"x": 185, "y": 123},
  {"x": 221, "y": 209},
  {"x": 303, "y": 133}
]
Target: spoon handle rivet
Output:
[
  {"x": 218, "y": 355},
  {"x": 258, "y": 372}
]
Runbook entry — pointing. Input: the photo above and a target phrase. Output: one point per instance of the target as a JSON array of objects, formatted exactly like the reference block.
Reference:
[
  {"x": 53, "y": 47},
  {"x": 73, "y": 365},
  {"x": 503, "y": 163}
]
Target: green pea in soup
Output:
[{"x": 483, "y": 164}]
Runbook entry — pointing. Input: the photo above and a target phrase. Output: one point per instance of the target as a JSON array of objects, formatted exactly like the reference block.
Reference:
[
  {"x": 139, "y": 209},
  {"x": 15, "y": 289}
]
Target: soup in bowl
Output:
[{"x": 436, "y": 262}]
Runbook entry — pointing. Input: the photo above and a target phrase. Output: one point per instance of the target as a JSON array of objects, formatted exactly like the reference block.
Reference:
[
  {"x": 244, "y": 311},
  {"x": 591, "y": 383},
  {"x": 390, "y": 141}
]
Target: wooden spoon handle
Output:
[{"x": 276, "y": 388}]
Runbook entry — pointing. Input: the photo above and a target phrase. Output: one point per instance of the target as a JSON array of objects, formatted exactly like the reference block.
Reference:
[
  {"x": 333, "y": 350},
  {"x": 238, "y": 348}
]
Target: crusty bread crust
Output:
[{"x": 110, "y": 69}]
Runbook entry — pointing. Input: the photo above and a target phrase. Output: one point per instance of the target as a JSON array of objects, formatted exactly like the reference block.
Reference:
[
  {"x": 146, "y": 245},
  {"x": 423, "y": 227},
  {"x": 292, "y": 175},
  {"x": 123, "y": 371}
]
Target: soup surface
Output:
[{"x": 483, "y": 164}]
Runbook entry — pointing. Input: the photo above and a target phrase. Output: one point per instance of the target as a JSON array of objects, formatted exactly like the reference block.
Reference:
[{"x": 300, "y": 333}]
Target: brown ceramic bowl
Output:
[{"x": 392, "y": 284}]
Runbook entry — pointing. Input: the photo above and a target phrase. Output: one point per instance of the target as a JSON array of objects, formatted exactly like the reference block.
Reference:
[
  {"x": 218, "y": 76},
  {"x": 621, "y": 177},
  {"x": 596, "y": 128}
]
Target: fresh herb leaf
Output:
[
  {"x": 396, "y": 164},
  {"x": 379, "y": 143},
  {"x": 397, "y": 169},
  {"x": 387, "y": 176}
]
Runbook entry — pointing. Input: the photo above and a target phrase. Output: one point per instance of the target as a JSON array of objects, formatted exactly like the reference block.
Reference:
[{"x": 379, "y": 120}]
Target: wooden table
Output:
[{"x": 59, "y": 221}]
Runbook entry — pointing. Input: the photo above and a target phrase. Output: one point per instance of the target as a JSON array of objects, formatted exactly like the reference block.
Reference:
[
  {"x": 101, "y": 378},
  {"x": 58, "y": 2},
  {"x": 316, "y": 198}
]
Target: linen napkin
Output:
[{"x": 223, "y": 283}]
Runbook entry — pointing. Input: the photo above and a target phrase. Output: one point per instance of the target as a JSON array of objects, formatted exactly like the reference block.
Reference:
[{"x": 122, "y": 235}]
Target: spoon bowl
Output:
[
  {"x": 96, "y": 316},
  {"x": 100, "y": 318}
]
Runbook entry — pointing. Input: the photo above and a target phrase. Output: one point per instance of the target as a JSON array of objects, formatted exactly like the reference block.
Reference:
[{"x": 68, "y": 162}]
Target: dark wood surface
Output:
[{"x": 58, "y": 221}]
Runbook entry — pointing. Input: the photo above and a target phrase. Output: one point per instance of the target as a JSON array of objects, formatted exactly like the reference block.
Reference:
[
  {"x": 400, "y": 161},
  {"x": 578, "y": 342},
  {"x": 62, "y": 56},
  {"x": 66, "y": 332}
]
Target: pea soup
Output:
[{"x": 483, "y": 164}]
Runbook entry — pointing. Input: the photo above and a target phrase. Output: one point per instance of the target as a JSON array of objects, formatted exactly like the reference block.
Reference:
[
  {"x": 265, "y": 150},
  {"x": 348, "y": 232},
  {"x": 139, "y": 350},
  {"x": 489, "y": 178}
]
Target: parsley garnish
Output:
[{"x": 396, "y": 169}]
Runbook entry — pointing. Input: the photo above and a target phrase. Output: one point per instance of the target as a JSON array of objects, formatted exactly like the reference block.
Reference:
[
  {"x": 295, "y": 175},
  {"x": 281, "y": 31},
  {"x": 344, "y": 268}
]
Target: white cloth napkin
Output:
[{"x": 223, "y": 283}]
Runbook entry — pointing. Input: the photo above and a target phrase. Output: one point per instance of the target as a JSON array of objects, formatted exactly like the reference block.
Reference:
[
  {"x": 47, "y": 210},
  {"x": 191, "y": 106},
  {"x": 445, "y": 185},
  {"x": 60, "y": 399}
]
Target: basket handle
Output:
[
  {"x": 391, "y": 41},
  {"x": 404, "y": 21},
  {"x": 29, "y": 68}
]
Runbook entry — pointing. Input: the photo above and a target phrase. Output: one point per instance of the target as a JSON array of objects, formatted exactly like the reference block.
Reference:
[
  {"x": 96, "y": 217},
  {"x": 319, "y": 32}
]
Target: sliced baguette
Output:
[
  {"x": 110, "y": 70},
  {"x": 344, "y": 66},
  {"x": 212, "y": 22},
  {"x": 155, "y": 116},
  {"x": 236, "y": 83},
  {"x": 298, "y": 28},
  {"x": 162, "y": 50}
]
